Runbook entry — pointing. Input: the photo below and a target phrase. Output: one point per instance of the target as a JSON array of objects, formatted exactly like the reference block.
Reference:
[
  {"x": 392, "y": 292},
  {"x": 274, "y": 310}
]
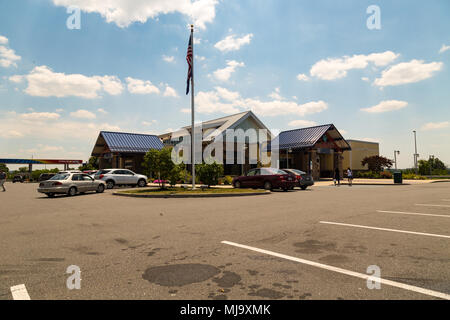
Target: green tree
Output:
[
  {"x": 159, "y": 163},
  {"x": 432, "y": 166},
  {"x": 209, "y": 174},
  {"x": 92, "y": 164},
  {"x": 377, "y": 163},
  {"x": 4, "y": 168}
]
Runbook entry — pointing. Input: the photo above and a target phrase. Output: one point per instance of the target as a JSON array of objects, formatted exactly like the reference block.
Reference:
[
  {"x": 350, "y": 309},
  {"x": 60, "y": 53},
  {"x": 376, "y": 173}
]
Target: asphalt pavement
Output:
[{"x": 313, "y": 244}]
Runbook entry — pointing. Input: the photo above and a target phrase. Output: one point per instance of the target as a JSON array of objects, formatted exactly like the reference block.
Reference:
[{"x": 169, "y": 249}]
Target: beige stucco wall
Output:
[{"x": 360, "y": 150}]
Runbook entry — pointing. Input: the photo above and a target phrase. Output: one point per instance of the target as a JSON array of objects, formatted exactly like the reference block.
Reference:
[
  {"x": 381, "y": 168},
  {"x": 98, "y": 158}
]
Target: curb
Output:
[{"x": 180, "y": 196}]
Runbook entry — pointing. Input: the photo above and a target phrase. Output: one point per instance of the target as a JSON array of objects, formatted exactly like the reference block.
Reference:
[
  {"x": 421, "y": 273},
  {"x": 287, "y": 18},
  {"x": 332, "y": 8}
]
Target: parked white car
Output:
[
  {"x": 70, "y": 183},
  {"x": 114, "y": 177}
]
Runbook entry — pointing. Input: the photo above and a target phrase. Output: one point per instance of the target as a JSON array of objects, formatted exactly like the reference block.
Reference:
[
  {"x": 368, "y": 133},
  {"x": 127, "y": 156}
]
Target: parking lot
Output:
[{"x": 313, "y": 244}]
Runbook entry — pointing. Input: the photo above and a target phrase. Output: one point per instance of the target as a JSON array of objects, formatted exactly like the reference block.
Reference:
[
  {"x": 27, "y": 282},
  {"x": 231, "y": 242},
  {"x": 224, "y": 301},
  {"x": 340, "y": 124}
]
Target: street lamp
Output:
[
  {"x": 416, "y": 156},
  {"x": 396, "y": 152}
]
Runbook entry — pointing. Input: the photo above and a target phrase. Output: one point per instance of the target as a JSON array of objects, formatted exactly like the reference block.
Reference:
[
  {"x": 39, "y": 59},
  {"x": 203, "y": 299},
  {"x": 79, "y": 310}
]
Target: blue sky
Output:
[{"x": 294, "y": 63}]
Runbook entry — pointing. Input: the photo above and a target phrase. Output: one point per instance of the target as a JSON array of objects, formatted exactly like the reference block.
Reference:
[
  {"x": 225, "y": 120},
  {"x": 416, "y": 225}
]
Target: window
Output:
[
  {"x": 60, "y": 177},
  {"x": 87, "y": 178},
  {"x": 77, "y": 177},
  {"x": 251, "y": 173}
]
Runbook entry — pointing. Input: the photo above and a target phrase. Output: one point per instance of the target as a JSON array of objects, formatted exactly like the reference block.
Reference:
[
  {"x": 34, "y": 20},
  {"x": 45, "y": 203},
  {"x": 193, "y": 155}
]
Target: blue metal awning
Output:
[
  {"x": 307, "y": 138},
  {"x": 131, "y": 142}
]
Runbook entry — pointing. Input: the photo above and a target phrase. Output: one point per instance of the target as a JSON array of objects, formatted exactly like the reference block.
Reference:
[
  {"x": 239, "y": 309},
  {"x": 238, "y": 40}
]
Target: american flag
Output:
[{"x": 189, "y": 59}]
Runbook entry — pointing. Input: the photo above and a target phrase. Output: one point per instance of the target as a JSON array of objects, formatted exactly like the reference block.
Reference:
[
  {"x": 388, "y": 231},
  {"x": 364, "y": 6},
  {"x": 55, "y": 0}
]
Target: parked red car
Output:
[{"x": 267, "y": 178}]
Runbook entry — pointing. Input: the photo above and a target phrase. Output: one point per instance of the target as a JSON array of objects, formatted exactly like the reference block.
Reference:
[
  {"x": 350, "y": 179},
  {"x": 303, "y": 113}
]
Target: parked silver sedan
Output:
[{"x": 71, "y": 183}]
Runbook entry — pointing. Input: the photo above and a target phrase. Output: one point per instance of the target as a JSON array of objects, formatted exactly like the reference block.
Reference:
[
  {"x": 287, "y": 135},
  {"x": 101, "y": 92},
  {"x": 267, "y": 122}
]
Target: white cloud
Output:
[
  {"x": 43, "y": 82},
  {"x": 168, "y": 59},
  {"x": 148, "y": 123},
  {"x": 53, "y": 130},
  {"x": 83, "y": 114},
  {"x": 170, "y": 92},
  {"x": 386, "y": 106},
  {"x": 435, "y": 125},
  {"x": 444, "y": 48},
  {"x": 3, "y": 40},
  {"x": 232, "y": 43},
  {"x": 59, "y": 110},
  {"x": 125, "y": 12},
  {"x": 336, "y": 68},
  {"x": 200, "y": 58},
  {"x": 137, "y": 86},
  {"x": 8, "y": 56},
  {"x": 365, "y": 79},
  {"x": 16, "y": 79},
  {"x": 302, "y": 77},
  {"x": 10, "y": 134},
  {"x": 407, "y": 72},
  {"x": 39, "y": 116},
  {"x": 302, "y": 123},
  {"x": 224, "y": 101},
  {"x": 197, "y": 40},
  {"x": 225, "y": 73},
  {"x": 276, "y": 95},
  {"x": 102, "y": 111}
]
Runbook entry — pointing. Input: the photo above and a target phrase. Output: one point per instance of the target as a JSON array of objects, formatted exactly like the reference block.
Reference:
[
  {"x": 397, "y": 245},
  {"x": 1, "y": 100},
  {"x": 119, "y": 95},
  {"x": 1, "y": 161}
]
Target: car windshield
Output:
[
  {"x": 271, "y": 171},
  {"x": 63, "y": 176}
]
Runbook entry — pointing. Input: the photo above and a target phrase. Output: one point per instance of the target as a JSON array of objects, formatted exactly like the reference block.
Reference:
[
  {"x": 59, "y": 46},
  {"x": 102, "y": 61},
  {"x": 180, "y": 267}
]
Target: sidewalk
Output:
[{"x": 372, "y": 182}]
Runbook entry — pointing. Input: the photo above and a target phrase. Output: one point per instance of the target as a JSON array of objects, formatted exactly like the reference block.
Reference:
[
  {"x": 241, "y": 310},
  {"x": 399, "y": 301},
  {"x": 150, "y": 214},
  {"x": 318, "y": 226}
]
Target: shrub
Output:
[
  {"x": 209, "y": 173},
  {"x": 413, "y": 176},
  {"x": 228, "y": 180},
  {"x": 386, "y": 175}
]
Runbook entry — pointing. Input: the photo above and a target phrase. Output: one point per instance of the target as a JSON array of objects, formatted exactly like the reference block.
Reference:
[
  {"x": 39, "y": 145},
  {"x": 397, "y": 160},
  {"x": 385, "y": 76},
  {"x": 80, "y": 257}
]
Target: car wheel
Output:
[
  {"x": 142, "y": 183},
  {"x": 237, "y": 184},
  {"x": 100, "y": 188},
  {"x": 72, "y": 191},
  {"x": 303, "y": 187},
  {"x": 50, "y": 195},
  {"x": 267, "y": 185},
  {"x": 110, "y": 184}
]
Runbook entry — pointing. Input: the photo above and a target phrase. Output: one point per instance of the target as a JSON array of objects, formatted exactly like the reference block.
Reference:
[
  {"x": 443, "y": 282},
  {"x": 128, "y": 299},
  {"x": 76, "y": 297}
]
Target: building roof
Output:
[
  {"x": 308, "y": 137},
  {"x": 216, "y": 127},
  {"x": 129, "y": 142}
]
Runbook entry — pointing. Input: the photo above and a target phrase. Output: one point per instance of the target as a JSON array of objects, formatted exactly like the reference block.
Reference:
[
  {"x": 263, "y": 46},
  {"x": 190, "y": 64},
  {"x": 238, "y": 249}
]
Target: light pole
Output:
[
  {"x": 287, "y": 157},
  {"x": 396, "y": 152},
  {"x": 416, "y": 156}
]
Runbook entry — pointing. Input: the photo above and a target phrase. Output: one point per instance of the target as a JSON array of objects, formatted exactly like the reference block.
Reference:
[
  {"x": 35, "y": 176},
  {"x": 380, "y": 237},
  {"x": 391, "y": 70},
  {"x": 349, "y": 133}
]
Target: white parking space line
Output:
[
  {"x": 416, "y": 214},
  {"x": 343, "y": 271},
  {"x": 20, "y": 292},
  {"x": 433, "y": 205},
  {"x": 386, "y": 229}
]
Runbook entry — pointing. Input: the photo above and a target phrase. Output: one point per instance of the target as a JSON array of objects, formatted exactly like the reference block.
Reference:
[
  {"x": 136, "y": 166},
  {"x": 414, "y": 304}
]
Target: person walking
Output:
[
  {"x": 2, "y": 179},
  {"x": 350, "y": 177},
  {"x": 337, "y": 177}
]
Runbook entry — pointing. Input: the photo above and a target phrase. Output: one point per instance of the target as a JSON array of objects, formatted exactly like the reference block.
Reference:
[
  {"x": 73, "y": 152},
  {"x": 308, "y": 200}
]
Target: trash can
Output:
[{"x": 398, "y": 177}]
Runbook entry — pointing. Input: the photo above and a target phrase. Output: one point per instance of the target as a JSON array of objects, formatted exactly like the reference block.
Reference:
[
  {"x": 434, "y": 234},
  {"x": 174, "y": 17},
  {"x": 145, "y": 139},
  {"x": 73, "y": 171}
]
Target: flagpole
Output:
[{"x": 192, "y": 112}]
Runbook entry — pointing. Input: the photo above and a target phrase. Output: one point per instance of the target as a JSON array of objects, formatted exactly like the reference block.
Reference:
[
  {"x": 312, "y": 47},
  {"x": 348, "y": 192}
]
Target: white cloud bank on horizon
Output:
[
  {"x": 302, "y": 123},
  {"x": 125, "y": 12}
]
